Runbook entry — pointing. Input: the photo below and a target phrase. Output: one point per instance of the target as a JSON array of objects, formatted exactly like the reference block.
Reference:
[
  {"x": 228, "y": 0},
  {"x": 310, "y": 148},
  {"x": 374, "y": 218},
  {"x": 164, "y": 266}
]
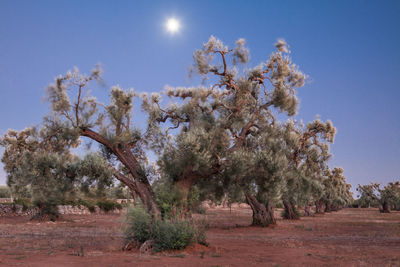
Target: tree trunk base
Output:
[
  {"x": 385, "y": 208},
  {"x": 308, "y": 212},
  {"x": 262, "y": 215},
  {"x": 290, "y": 212}
]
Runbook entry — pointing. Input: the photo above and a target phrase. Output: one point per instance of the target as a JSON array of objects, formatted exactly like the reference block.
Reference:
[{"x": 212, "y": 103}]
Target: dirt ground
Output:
[{"x": 350, "y": 237}]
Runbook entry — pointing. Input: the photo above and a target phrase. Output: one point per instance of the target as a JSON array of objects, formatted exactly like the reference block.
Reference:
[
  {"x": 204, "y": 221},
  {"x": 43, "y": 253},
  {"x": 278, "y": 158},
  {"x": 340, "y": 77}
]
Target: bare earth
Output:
[{"x": 350, "y": 237}]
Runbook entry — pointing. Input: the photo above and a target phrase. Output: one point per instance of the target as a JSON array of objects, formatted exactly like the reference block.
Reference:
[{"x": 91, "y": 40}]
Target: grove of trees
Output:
[
  {"x": 386, "y": 198},
  {"x": 222, "y": 139}
]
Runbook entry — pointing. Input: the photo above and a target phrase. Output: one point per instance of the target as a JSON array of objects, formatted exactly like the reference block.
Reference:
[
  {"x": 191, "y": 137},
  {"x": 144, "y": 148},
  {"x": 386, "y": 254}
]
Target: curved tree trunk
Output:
[
  {"x": 139, "y": 184},
  {"x": 290, "y": 212},
  {"x": 262, "y": 215}
]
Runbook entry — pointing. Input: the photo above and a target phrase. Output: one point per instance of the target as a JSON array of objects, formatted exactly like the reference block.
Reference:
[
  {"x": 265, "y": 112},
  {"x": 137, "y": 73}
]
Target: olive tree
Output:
[
  {"x": 110, "y": 125},
  {"x": 307, "y": 149},
  {"x": 389, "y": 197},
  {"x": 337, "y": 192},
  {"x": 39, "y": 164},
  {"x": 368, "y": 195},
  {"x": 215, "y": 122}
]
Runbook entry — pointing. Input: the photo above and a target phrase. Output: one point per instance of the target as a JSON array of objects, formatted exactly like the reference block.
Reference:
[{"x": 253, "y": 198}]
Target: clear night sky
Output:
[{"x": 350, "y": 50}]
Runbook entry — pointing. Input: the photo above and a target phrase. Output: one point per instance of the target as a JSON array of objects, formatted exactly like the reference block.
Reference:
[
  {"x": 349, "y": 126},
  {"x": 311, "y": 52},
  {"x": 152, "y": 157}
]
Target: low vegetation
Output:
[
  {"x": 5, "y": 192},
  {"x": 165, "y": 234}
]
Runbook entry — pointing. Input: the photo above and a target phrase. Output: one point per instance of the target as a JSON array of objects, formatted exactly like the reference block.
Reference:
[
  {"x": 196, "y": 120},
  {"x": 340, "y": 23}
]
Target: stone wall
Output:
[
  {"x": 17, "y": 210},
  {"x": 6, "y": 200}
]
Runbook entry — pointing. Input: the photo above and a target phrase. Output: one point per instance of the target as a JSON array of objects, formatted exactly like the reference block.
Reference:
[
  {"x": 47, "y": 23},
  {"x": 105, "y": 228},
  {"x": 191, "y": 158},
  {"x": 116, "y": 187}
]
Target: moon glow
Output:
[{"x": 173, "y": 25}]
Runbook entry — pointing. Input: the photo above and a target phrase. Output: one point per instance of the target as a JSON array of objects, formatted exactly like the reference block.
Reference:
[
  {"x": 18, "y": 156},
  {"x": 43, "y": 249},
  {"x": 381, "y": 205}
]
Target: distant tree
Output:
[
  {"x": 337, "y": 192},
  {"x": 368, "y": 195},
  {"x": 390, "y": 197},
  {"x": 307, "y": 153},
  {"x": 5, "y": 192}
]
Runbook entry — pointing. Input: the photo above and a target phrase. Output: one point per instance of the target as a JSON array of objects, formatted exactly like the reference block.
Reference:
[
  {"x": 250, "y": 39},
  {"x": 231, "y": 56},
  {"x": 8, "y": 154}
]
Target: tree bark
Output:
[
  {"x": 189, "y": 178},
  {"x": 290, "y": 212},
  {"x": 262, "y": 215},
  {"x": 308, "y": 211},
  {"x": 328, "y": 207},
  {"x": 385, "y": 207},
  {"x": 139, "y": 184},
  {"x": 319, "y": 207}
]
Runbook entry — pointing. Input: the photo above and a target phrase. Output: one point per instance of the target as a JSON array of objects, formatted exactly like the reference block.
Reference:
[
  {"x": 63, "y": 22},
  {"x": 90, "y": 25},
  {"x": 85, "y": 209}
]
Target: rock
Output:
[
  {"x": 147, "y": 247},
  {"x": 131, "y": 245}
]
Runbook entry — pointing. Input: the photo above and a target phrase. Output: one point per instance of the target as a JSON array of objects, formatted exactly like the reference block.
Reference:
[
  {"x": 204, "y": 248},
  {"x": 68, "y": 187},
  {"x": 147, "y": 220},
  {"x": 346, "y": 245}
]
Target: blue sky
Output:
[{"x": 349, "y": 49}]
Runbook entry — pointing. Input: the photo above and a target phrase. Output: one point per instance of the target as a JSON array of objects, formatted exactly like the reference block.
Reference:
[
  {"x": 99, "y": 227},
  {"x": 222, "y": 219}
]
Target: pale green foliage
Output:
[
  {"x": 216, "y": 122},
  {"x": 336, "y": 190},
  {"x": 390, "y": 194},
  {"x": 78, "y": 114},
  {"x": 307, "y": 149},
  {"x": 112, "y": 121},
  {"x": 122, "y": 145},
  {"x": 240, "y": 53},
  {"x": 93, "y": 170},
  {"x": 39, "y": 164},
  {"x": 368, "y": 194},
  {"x": 372, "y": 195},
  {"x": 5, "y": 192}
]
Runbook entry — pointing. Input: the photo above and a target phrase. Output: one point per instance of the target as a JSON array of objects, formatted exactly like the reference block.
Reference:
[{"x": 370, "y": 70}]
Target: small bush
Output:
[
  {"x": 172, "y": 235},
  {"x": 169, "y": 199},
  {"x": 26, "y": 203},
  {"x": 86, "y": 203},
  {"x": 47, "y": 210},
  {"x": 167, "y": 234},
  {"x": 108, "y": 205},
  {"x": 4, "y": 192},
  {"x": 138, "y": 223}
]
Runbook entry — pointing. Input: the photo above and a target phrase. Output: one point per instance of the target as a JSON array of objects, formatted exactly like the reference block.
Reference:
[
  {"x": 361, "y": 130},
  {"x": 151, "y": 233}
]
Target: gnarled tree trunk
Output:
[
  {"x": 308, "y": 211},
  {"x": 189, "y": 178},
  {"x": 139, "y": 184},
  {"x": 319, "y": 207},
  {"x": 329, "y": 207},
  {"x": 290, "y": 211},
  {"x": 262, "y": 215},
  {"x": 385, "y": 207}
]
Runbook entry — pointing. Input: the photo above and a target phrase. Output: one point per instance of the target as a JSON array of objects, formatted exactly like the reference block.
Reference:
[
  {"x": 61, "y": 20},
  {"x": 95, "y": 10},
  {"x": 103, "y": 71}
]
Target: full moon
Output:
[{"x": 173, "y": 25}]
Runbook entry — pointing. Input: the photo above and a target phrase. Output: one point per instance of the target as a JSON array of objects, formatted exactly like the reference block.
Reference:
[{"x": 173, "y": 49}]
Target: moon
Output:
[{"x": 172, "y": 25}]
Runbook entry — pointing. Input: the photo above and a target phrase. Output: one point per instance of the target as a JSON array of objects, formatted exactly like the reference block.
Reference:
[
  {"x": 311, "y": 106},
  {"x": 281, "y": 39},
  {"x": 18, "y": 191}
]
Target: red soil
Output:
[{"x": 350, "y": 237}]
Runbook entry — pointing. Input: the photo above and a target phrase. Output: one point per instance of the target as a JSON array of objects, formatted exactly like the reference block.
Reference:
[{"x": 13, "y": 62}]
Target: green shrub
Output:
[
  {"x": 48, "y": 209},
  {"x": 26, "y": 203},
  {"x": 4, "y": 192},
  {"x": 167, "y": 234},
  {"x": 172, "y": 235},
  {"x": 108, "y": 205},
  {"x": 138, "y": 225},
  {"x": 168, "y": 198}
]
